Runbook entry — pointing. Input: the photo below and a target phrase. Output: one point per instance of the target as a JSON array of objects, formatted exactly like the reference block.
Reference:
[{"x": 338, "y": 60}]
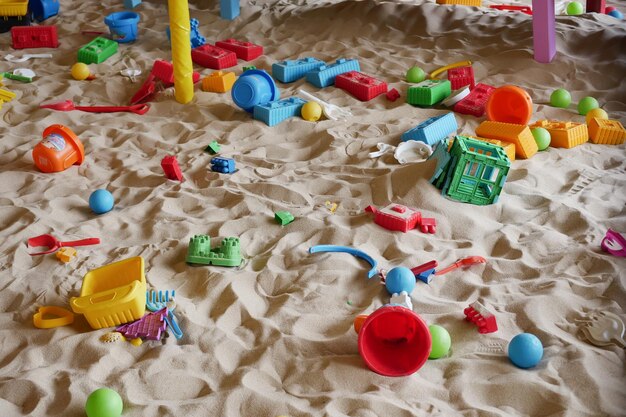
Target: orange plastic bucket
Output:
[
  {"x": 509, "y": 104},
  {"x": 59, "y": 149}
]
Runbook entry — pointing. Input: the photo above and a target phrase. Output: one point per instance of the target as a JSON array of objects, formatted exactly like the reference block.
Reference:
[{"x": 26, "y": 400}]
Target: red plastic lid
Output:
[
  {"x": 509, "y": 104},
  {"x": 394, "y": 341}
]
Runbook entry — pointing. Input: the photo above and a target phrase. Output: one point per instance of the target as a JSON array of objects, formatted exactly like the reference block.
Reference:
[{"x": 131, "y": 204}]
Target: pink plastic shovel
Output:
[
  {"x": 68, "y": 105},
  {"x": 53, "y": 244}
]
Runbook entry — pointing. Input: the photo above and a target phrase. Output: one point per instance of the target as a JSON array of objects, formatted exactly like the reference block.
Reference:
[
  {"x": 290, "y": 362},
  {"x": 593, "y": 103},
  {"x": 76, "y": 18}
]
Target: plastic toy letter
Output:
[
  {"x": 544, "y": 42},
  {"x": 181, "y": 50}
]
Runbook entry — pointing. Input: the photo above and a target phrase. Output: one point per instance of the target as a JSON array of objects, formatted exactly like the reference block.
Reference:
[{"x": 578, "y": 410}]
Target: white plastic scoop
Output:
[
  {"x": 25, "y": 57},
  {"x": 330, "y": 110},
  {"x": 604, "y": 329}
]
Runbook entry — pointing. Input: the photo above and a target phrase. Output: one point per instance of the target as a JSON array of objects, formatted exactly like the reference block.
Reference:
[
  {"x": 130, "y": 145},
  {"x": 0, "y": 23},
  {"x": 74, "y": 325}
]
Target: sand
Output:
[{"x": 275, "y": 336}]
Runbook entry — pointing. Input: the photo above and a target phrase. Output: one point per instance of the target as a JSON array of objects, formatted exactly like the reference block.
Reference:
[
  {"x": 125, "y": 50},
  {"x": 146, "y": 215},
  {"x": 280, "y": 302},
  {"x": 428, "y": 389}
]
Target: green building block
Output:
[
  {"x": 429, "y": 92},
  {"x": 283, "y": 217},
  {"x": 228, "y": 254},
  {"x": 251, "y": 67},
  {"x": 477, "y": 171},
  {"x": 97, "y": 51},
  {"x": 213, "y": 148}
]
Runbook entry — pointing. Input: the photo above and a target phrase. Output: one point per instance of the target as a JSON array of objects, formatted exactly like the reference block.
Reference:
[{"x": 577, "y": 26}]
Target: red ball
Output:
[{"x": 609, "y": 9}]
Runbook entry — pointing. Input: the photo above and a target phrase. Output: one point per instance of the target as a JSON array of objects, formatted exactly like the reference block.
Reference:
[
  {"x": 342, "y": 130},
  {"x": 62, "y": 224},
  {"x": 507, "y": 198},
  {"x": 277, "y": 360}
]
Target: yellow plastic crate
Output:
[
  {"x": 520, "y": 135},
  {"x": 219, "y": 82},
  {"x": 113, "y": 294},
  {"x": 606, "y": 132},
  {"x": 564, "y": 134},
  {"x": 13, "y": 7}
]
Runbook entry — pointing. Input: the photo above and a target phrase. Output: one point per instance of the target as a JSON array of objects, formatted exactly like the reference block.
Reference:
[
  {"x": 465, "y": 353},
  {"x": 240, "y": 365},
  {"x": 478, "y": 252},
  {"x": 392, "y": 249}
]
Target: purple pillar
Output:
[{"x": 544, "y": 42}]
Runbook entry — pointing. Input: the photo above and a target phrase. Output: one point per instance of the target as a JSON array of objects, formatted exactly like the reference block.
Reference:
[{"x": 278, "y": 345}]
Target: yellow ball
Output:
[
  {"x": 311, "y": 111},
  {"x": 80, "y": 71},
  {"x": 596, "y": 114}
]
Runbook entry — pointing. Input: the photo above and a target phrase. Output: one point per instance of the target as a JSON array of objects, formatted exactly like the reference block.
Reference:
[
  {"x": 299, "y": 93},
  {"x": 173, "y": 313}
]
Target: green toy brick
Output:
[
  {"x": 213, "y": 148},
  {"x": 429, "y": 92},
  {"x": 97, "y": 51},
  {"x": 283, "y": 217},
  {"x": 228, "y": 254}
]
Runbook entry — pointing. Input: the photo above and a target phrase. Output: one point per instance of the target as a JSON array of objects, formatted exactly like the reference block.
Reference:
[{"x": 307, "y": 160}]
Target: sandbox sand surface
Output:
[{"x": 275, "y": 336}]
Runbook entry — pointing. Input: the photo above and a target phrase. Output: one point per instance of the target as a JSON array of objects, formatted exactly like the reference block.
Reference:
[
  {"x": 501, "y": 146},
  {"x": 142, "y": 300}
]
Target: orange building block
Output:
[
  {"x": 219, "y": 82},
  {"x": 508, "y": 147},
  {"x": 564, "y": 134},
  {"x": 519, "y": 135},
  {"x": 66, "y": 254},
  {"x": 462, "y": 2},
  {"x": 606, "y": 131}
]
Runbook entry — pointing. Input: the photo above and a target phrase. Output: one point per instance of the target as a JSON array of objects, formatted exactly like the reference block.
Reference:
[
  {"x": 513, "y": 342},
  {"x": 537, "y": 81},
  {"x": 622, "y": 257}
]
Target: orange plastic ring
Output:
[
  {"x": 63, "y": 317},
  {"x": 509, "y": 104}
]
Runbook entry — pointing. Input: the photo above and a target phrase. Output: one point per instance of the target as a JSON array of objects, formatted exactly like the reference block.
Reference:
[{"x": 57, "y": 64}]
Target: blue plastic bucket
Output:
[
  {"x": 123, "y": 26},
  {"x": 254, "y": 87}
]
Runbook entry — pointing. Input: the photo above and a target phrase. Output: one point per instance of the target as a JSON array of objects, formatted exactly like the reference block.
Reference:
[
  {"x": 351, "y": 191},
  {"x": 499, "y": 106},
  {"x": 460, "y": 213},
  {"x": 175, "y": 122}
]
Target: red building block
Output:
[
  {"x": 428, "y": 225},
  {"x": 244, "y": 50},
  {"x": 481, "y": 317},
  {"x": 164, "y": 71},
  {"x": 396, "y": 217},
  {"x": 597, "y": 6},
  {"x": 392, "y": 95},
  {"x": 474, "y": 104},
  {"x": 461, "y": 76},
  {"x": 210, "y": 56},
  {"x": 34, "y": 37},
  {"x": 171, "y": 168},
  {"x": 360, "y": 85}
]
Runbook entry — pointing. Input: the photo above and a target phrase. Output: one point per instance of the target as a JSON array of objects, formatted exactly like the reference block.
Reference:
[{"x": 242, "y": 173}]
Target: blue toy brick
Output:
[
  {"x": 131, "y": 4},
  {"x": 432, "y": 130},
  {"x": 426, "y": 276},
  {"x": 43, "y": 9},
  {"x": 276, "y": 111},
  {"x": 292, "y": 70},
  {"x": 223, "y": 165},
  {"x": 229, "y": 9},
  {"x": 195, "y": 37},
  {"x": 325, "y": 75}
]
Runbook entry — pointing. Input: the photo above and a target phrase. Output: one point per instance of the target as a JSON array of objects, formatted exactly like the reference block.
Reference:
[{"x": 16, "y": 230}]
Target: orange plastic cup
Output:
[
  {"x": 59, "y": 149},
  {"x": 509, "y": 104}
]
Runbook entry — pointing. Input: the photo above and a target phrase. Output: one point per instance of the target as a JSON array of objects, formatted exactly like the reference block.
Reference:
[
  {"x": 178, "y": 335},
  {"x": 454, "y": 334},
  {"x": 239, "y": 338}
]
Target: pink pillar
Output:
[{"x": 544, "y": 42}]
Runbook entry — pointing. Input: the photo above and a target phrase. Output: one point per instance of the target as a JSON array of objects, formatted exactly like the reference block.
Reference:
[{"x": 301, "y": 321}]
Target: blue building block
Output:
[
  {"x": 325, "y": 75},
  {"x": 274, "y": 112},
  {"x": 426, "y": 276},
  {"x": 195, "y": 37},
  {"x": 292, "y": 70},
  {"x": 43, "y": 9},
  {"x": 433, "y": 130},
  {"x": 223, "y": 165},
  {"x": 131, "y": 4},
  {"x": 229, "y": 9}
]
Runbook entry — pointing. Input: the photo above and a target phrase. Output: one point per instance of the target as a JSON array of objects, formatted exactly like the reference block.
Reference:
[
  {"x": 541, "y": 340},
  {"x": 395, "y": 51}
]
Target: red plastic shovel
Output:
[
  {"x": 53, "y": 244},
  {"x": 68, "y": 105}
]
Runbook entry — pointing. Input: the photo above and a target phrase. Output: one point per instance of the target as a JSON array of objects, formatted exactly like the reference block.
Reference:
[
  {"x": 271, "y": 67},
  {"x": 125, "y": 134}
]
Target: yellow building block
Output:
[
  {"x": 606, "y": 131},
  {"x": 564, "y": 134},
  {"x": 219, "y": 82},
  {"x": 508, "y": 147},
  {"x": 462, "y": 2},
  {"x": 519, "y": 135},
  {"x": 66, "y": 254}
]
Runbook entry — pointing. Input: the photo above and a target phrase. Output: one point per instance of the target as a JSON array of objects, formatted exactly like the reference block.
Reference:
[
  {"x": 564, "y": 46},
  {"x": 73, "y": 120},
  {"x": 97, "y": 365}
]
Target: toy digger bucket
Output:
[{"x": 394, "y": 341}]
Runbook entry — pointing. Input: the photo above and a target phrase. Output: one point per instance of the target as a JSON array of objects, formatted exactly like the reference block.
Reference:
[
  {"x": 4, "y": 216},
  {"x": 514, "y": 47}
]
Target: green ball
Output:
[
  {"x": 574, "y": 8},
  {"x": 415, "y": 75},
  {"x": 104, "y": 402},
  {"x": 441, "y": 341},
  {"x": 542, "y": 137},
  {"x": 560, "y": 98},
  {"x": 587, "y": 104}
]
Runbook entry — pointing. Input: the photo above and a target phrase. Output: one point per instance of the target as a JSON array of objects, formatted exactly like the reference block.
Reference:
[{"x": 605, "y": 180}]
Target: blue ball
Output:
[
  {"x": 616, "y": 14},
  {"x": 101, "y": 201},
  {"x": 400, "y": 279},
  {"x": 525, "y": 350}
]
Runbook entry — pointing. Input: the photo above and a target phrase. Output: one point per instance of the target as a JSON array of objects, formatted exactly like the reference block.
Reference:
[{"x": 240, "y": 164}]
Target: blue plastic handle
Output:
[{"x": 351, "y": 251}]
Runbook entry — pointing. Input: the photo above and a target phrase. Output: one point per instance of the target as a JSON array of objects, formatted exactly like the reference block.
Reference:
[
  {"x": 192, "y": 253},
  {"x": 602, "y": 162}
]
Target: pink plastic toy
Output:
[
  {"x": 476, "y": 101},
  {"x": 392, "y": 95},
  {"x": 461, "y": 76},
  {"x": 614, "y": 243},
  {"x": 544, "y": 42},
  {"x": 149, "y": 326},
  {"x": 481, "y": 317},
  {"x": 361, "y": 86},
  {"x": 171, "y": 168},
  {"x": 402, "y": 218}
]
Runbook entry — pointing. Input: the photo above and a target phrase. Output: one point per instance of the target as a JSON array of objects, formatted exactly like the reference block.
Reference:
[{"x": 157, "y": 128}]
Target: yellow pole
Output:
[{"x": 181, "y": 50}]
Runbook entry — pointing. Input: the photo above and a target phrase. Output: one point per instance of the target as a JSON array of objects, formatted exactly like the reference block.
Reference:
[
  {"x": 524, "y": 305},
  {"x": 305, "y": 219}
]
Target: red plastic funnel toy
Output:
[
  {"x": 394, "y": 341},
  {"x": 53, "y": 244}
]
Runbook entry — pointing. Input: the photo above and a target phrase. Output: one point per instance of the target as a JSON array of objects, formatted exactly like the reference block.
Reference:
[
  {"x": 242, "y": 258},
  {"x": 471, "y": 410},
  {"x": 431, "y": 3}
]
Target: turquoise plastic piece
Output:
[
  {"x": 352, "y": 251},
  {"x": 254, "y": 87},
  {"x": 433, "y": 130},
  {"x": 292, "y": 70},
  {"x": 325, "y": 75},
  {"x": 229, "y": 9},
  {"x": 277, "y": 111},
  {"x": 200, "y": 252}
]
